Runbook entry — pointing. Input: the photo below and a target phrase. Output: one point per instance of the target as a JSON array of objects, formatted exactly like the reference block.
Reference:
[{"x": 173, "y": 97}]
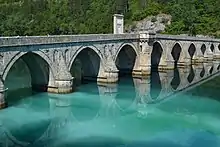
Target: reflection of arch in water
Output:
[
  {"x": 176, "y": 79},
  {"x": 211, "y": 70},
  {"x": 125, "y": 59},
  {"x": 218, "y": 67},
  {"x": 202, "y": 73},
  {"x": 126, "y": 96},
  {"x": 38, "y": 126},
  {"x": 176, "y": 52},
  {"x": 155, "y": 86},
  {"x": 191, "y": 75},
  {"x": 156, "y": 55}
]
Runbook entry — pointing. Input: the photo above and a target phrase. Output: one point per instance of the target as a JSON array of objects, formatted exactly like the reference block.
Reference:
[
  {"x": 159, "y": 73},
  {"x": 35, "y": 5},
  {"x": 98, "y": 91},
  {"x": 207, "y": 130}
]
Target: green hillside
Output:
[{"x": 42, "y": 17}]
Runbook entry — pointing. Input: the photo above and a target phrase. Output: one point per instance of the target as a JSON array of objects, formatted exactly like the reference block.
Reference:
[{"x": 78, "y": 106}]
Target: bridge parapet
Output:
[{"x": 62, "y": 39}]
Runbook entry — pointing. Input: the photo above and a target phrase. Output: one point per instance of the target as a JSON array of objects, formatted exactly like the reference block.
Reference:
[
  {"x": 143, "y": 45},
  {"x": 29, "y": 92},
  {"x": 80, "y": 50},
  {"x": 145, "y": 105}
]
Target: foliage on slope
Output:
[{"x": 42, "y": 17}]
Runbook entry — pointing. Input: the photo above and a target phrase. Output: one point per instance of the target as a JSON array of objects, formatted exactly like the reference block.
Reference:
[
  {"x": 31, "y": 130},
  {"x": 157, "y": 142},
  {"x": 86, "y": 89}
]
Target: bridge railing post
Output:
[{"x": 144, "y": 67}]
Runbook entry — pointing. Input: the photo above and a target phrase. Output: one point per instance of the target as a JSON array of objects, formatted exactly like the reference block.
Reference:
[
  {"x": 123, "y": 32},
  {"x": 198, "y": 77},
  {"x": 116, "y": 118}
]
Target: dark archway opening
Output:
[
  {"x": 27, "y": 76},
  {"x": 203, "y": 49},
  {"x": 85, "y": 67},
  {"x": 212, "y": 48},
  {"x": 156, "y": 56},
  {"x": 191, "y": 75},
  {"x": 176, "y": 79},
  {"x": 176, "y": 51},
  {"x": 192, "y": 50},
  {"x": 125, "y": 60}
]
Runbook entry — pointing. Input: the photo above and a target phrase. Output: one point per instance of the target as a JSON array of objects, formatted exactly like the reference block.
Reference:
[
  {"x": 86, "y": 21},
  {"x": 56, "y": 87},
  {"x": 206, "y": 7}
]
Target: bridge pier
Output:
[
  {"x": 63, "y": 82},
  {"x": 143, "y": 69},
  {"x": 3, "y": 91},
  {"x": 108, "y": 77}
]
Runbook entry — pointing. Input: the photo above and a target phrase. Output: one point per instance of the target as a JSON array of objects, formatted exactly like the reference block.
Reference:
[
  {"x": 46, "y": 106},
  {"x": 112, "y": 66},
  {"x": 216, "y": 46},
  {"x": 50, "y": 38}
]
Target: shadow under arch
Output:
[
  {"x": 156, "y": 55},
  {"x": 27, "y": 73},
  {"x": 85, "y": 65},
  {"x": 125, "y": 60},
  {"x": 176, "y": 51},
  {"x": 192, "y": 50},
  {"x": 203, "y": 49}
]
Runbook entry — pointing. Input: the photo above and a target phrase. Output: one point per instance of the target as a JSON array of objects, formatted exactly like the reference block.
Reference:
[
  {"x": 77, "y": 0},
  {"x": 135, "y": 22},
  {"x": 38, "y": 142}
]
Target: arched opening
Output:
[
  {"x": 192, "y": 50},
  {"x": 125, "y": 60},
  {"x": 155, "y": 86},
  {"x": 29, "y": 74},
  {"x": 191, "y": 75},
  {"x": 85, "y": 66},
  {"x": 176, "y": 51},
  {"x": 176, "y": 79},
  {"x": 202, "y": 73},
  {"x": 219, "y": 47},
  {"x": 156, "y": 55},
  {"x": 203, "y": 49},
  {"x": 212, "y": 47}
]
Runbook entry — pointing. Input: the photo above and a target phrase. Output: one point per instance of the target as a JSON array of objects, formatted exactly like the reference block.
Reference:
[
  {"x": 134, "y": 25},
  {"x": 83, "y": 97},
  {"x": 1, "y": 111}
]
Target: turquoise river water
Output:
[{"x": 113, "y": 116}]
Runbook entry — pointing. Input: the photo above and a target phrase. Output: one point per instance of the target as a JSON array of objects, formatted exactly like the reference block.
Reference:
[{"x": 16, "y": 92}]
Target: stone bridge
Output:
[{"x": 57, "y": 63}]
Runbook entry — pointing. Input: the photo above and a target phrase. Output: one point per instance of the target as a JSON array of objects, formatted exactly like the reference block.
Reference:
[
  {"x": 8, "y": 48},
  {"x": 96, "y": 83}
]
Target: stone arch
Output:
[
  {"x": 192, "y": 50},
  {"x": 20, "y": 54},
  {"x": 125, "y": 58},
  {"x": 176, "y": 52},
  {"x": 122, "y": 46},
  {"x": 27, "y": 72},
  {"x": 156, "y": 54},
  {"x": 203, "y": 49},
  {"x": 86, "y": 63}
]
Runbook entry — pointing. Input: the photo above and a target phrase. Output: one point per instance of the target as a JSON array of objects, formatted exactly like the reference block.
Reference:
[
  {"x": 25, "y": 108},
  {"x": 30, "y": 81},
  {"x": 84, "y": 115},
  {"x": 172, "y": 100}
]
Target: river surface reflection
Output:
[{"x": 177, "y": 108}]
